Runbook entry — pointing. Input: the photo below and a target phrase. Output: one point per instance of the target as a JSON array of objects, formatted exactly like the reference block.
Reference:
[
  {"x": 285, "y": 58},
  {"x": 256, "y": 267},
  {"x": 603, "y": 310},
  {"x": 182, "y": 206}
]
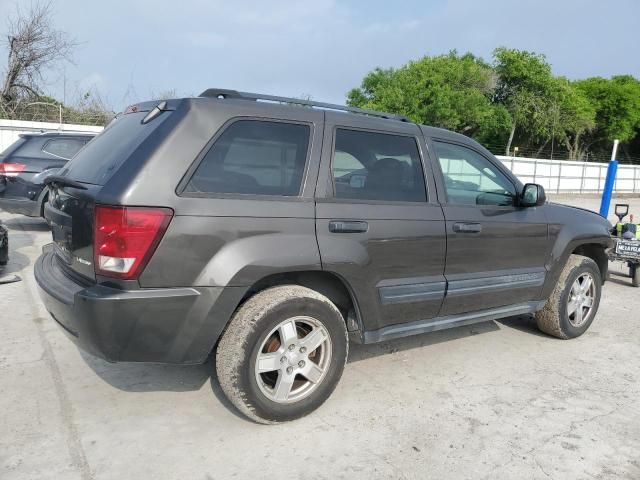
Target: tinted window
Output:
[
  {"x": 377, "y": 166},
  {"x": 102, "y": 157},
  {"x": 63, "y": 147},
  {"x": 471, "y": 179},
  {"x": 254, "y": 157},
  {"x": 13, "y": 147}
]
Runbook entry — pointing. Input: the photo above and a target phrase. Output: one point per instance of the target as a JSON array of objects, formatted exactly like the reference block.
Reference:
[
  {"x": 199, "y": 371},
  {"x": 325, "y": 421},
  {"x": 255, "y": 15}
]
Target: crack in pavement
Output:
[{"x": 74, "y": 445}]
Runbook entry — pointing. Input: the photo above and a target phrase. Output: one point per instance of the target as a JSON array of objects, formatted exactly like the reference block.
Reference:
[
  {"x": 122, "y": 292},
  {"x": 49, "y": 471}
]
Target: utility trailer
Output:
[{"x": 626, "y": 243}]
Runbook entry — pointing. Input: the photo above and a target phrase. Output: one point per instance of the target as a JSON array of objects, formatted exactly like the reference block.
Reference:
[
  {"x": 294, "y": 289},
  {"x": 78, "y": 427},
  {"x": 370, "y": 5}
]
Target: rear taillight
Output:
[
  {"x": 126, "y": 237},
  {"x": 11, "y": 169}
]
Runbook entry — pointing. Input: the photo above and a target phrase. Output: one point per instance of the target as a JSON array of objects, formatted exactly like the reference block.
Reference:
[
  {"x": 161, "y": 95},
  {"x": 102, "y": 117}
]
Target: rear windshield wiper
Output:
[{"x": 61, "y": 180}]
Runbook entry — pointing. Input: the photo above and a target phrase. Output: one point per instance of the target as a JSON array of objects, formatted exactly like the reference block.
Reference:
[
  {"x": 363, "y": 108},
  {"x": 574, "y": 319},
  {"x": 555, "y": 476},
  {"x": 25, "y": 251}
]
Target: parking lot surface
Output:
[{"x": 495, "y": 400}]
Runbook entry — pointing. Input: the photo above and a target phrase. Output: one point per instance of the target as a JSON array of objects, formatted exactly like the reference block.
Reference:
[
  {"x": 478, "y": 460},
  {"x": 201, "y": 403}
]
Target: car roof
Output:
[{"x": 265, "y": 102}]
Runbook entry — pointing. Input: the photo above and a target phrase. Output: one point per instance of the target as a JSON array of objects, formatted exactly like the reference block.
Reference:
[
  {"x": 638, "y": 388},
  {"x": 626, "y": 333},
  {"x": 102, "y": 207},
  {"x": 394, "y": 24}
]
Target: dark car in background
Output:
[{"x": 28, "y": 162}]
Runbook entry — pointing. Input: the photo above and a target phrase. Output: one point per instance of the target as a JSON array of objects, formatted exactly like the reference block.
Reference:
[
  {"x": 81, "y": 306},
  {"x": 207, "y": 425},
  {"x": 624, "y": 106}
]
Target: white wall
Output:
[
  {"x": 10, "y": 130},
  {"x": 563, "y": 176}
]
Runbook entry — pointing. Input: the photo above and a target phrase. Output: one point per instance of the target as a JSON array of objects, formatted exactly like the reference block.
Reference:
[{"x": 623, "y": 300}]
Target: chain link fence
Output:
[{"x": 55, "y": 113}]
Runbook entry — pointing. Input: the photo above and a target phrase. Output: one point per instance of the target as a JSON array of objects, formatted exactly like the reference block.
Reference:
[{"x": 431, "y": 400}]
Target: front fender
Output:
[{"x": 569, "y": 229}]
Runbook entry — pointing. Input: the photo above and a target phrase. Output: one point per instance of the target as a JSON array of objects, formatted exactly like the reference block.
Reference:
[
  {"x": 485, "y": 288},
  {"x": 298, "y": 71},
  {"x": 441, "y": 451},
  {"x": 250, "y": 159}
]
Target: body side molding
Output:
[{"x": 441, "y": 323}]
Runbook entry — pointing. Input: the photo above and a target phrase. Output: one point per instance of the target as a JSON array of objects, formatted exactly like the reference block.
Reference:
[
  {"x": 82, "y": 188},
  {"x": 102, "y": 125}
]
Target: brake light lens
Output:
[
  {"x": 11, "y": 169},
  {"x": 126, "y": 237}
]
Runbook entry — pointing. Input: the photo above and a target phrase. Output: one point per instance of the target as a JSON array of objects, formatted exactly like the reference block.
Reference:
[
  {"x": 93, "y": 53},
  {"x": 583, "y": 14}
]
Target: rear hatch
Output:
[{"x": 76, "y": 191}]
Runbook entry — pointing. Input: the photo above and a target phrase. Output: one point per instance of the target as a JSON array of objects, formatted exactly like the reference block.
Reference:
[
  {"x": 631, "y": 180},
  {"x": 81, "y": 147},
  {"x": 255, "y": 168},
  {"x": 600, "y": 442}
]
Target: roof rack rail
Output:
[{"x": 234, "y": 94}]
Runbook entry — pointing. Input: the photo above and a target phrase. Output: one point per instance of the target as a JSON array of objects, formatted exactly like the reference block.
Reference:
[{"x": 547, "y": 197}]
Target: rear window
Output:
[
  {"x": 254, "y": 157},
  {"x": 103, "y": 156},
  {"x": 13, "y": 147},
  {"x": 64, "y": 147}
]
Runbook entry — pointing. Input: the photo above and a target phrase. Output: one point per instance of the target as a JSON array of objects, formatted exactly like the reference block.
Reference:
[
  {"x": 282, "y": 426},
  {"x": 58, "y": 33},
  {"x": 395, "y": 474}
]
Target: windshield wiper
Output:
[{"x": 61, "y": 180}]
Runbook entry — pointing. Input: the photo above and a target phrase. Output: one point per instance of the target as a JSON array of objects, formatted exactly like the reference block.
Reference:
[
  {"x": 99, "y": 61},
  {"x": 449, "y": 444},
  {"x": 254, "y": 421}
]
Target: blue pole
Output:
[{"x": 609, "y": 182}]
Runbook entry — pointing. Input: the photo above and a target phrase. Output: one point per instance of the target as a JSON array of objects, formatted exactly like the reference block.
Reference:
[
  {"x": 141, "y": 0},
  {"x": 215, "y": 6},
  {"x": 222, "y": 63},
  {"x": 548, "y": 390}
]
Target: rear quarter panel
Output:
[{"x": 227, "y": 239}]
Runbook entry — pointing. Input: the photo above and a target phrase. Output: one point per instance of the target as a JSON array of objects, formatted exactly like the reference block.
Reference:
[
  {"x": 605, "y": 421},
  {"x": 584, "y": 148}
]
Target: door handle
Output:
[
  {"x": 467, "y": 227},
  {"x": 347, "y": 226}
]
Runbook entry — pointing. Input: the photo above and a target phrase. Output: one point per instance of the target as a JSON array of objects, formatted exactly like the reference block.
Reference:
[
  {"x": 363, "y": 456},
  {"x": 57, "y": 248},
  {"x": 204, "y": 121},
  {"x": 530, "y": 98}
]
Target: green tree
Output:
[
  {"x": 617, "y": 109},
  {"x": 516, "y": 99},
  {"x": 573, "y": 117},
  {"x": 448, "y": 91},
  {"x": 524, "y": 87}
]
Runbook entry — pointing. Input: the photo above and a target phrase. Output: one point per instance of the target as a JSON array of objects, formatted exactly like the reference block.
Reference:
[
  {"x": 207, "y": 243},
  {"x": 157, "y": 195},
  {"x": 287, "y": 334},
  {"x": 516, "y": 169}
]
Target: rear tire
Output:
[
  {"x": 45, "y": 199},
  {"x": 634, "y": 273},
  {"x": 282, "y": 354},
  {"x": 4, "y": 246},
  {"x": 574, "y": 302}
]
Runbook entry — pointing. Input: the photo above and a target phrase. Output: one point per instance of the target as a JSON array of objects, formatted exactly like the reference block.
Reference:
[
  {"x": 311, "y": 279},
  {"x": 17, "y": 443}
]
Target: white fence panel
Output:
[
  {"x": 556, "y": 176},
  {"x": 563, "y": 176},
  {"x": 10, "y": 130}
]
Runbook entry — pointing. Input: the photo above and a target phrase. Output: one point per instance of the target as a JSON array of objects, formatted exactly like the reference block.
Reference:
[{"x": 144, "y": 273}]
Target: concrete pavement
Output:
[{"x": 495, "y": 400}]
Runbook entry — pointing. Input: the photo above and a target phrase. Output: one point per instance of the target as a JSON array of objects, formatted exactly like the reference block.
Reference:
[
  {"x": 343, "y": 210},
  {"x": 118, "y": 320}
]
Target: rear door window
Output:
[
  {"x": 254, "y": 157},
  {"x": 377, "y": 166},
  {"x": 63, "y": 147}
]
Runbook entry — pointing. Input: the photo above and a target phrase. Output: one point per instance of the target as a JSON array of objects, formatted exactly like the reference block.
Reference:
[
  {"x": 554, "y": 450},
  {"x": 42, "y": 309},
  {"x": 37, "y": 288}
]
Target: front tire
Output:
[
  {"x": 574, "y": 302},
  {"x": 282, "y": 354},
  {"x": 634, "y": 273}
]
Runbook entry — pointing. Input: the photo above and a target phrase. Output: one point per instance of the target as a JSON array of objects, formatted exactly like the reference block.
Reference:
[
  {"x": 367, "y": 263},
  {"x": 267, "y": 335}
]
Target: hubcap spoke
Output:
[
  {"x": 312, "y": 372},
  {"x": 572, "y": 306},
  {"x": 288, "y": 333},
  {"x": 576, "y": 288},
  {"x": 588, "y": 302},
  {"x": 283, "y": 386},
  {"x": 269, "y": 362},
  {"x": 586, "y": 284},
  {"x": 578, "y": 316},
  {"x": 314, "y": 339}
]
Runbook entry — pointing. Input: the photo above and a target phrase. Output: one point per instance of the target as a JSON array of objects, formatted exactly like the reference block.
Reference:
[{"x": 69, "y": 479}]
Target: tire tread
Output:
[{"x": 548, "y": 319}]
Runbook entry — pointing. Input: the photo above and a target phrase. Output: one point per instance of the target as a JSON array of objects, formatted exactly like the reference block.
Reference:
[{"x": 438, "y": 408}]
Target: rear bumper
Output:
[
  {"x": 169, "y": 325},
  {"x": 21, "y": 206}
]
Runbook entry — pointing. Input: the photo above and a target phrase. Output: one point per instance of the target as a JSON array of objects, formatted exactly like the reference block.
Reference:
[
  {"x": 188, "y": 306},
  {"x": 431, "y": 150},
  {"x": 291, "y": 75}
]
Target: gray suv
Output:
[{"x": 272, "y": 231}]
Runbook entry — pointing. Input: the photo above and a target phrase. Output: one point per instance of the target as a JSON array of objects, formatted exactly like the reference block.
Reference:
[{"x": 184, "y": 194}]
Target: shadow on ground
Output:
[
  {"x": 141, "y": 377},
  {"x": 524, "y": 323},
  {"x": 29, "y": 224},
  {"x": 17, "y": 263},
  {"x": 147, "y": 377}
]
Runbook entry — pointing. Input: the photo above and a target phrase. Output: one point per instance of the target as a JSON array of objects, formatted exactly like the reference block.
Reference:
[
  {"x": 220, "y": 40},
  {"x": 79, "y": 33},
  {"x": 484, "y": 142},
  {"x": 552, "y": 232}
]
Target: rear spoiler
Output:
[
  {"x": 154, "y": 108},
  {"x": 163, "y": 105}
]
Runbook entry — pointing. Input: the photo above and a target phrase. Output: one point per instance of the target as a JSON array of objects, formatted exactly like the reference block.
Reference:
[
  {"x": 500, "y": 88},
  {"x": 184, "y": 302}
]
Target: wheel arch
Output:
[
  {"x": 329, "y": 284},
  {"x": 334, "y": 287},
  {"x": 597, "y": 253}
]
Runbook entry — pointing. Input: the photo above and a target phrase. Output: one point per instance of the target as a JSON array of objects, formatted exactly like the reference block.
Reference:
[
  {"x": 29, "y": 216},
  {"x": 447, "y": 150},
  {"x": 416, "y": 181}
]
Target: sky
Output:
[{"x": 130, "y": 50}]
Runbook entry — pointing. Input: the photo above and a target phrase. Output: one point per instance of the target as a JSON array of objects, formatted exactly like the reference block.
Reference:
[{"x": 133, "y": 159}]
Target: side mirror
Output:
[{"x": 533, "y": 195}]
